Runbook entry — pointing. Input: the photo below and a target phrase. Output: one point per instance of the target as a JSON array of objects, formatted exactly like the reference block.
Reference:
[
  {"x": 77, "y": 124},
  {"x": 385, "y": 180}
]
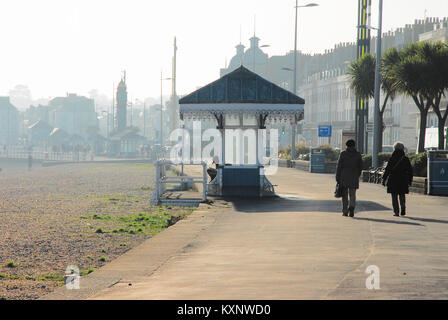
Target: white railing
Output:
[
  {"x": 20, "y": 152},
  {"x": 162, "y": 179}
]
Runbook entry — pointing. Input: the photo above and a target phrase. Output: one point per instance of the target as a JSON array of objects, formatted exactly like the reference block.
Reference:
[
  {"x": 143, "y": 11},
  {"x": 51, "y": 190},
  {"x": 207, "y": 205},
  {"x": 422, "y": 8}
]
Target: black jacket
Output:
[
  {"x": 349, "y": 168},
  {"x": 399, "y": 171}
]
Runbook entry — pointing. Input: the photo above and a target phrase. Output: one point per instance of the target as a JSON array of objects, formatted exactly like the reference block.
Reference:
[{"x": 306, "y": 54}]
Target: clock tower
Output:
[{"x": 122, "y": 102}]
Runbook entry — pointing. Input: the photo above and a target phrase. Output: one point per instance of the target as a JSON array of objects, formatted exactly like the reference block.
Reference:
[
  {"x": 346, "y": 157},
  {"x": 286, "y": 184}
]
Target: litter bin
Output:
[
  {"x": 438, "y": 173},
  {"x": 317, "y": 161}
]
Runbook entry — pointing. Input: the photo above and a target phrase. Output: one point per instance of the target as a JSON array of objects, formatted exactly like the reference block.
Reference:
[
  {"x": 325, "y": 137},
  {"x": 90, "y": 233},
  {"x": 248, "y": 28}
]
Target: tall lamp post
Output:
[
  {"x": 107, "y": 113},
  {"x": 161, "y": 107},
  {"x": 293, "y": 125},
  {"x": 144, "y": 119},
  {"x": 107, "y": 126},
  {"x": 293, "y": 128},
  {"x": 376, "y": 112}
]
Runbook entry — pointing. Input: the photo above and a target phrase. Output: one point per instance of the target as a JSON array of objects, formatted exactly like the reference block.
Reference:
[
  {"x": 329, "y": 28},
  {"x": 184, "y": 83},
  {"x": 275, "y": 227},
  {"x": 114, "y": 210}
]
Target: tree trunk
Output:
[
  {"x": 441, "y": 128},
  {"x": 440, "y": 121},
  {"x": 420, "y": 103},
  {"x": 422, "y": 132},
  {"x": 380, "y": 133},
  {"x": 380, "y": 124}
]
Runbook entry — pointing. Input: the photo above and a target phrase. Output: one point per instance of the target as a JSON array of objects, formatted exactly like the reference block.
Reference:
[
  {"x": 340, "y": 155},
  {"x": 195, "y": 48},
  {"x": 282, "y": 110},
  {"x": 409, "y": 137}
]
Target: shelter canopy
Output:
[{"x": 242, "y": 92}]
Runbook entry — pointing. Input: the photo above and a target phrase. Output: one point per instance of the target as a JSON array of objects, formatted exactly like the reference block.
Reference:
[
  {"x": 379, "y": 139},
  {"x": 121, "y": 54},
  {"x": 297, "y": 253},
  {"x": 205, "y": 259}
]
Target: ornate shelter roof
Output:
[{"x": 242, "y": 92}]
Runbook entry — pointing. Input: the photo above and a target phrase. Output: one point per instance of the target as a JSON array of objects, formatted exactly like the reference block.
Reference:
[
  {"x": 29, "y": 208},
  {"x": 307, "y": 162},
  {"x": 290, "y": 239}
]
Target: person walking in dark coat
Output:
[
  {"x": 347, "y": 175},
  {"x": 399, "y": 172}
]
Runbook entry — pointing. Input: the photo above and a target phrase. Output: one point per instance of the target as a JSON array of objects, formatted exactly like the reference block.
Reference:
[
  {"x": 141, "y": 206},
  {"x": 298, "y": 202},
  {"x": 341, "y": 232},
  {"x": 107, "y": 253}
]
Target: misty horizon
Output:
[{"x": 95, "y": 41}]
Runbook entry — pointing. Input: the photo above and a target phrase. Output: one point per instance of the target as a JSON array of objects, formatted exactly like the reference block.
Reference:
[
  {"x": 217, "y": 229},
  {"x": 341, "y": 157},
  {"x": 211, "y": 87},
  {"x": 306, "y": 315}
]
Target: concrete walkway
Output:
[{"x": 294, "y": 247}]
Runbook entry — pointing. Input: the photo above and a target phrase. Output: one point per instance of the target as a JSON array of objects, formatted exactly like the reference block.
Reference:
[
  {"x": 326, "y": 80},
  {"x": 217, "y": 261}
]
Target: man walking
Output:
[{"x": 347, "y": 175}]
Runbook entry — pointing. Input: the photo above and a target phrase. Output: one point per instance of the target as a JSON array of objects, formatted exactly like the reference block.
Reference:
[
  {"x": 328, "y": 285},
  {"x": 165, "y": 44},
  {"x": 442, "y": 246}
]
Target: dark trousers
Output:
[
  {"x": 395, "y": 205},
  {"x": 346, "y": 193}
]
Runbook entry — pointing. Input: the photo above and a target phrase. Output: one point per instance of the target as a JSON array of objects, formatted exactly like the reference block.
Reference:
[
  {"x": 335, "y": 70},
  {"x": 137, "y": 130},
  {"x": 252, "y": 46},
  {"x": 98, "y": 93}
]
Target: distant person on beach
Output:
[
  {"x": 398, "y": 174},
  {"x": 30, "y": 162},
  {"x": 347, "y": 175}
]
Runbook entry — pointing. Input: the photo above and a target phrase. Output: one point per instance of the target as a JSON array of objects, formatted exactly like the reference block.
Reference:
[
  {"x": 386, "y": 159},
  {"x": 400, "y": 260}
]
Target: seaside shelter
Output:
[{"x": 242, "y": 100}]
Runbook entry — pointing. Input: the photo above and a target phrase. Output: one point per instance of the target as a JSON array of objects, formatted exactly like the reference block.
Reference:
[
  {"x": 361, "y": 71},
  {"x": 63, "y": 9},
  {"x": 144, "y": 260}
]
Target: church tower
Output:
[{"x": 122, "y": 102}]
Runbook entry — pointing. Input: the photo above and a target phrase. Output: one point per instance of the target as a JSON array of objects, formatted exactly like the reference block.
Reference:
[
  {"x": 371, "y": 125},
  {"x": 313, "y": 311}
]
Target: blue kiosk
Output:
[{"x": 242, "y": 100}]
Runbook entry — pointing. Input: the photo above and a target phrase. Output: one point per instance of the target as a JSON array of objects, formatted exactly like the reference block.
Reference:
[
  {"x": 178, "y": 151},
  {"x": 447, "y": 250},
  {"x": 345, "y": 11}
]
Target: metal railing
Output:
[
  {"x": 20, "y": 152},
  {"x": 162, "y": 180}
]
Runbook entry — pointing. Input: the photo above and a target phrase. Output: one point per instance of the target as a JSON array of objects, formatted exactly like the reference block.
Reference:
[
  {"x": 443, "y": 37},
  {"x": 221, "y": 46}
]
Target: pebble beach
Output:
[{"x": 74, "y": 214}]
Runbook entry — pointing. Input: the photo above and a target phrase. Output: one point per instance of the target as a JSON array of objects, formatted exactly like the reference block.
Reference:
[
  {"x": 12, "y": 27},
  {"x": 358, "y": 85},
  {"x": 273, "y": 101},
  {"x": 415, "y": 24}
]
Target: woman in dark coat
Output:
[
  {"x": 347, "y": 175},
  {"x": 399, "y": 172}
]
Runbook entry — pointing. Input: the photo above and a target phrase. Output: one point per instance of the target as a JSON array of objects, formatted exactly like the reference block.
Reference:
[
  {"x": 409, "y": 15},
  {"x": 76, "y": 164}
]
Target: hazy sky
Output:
[{"x": 59, "y": 46}]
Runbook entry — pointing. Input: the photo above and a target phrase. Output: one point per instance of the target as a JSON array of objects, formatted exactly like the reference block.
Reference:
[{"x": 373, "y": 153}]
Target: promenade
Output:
[{"x": 297, "y": 246}]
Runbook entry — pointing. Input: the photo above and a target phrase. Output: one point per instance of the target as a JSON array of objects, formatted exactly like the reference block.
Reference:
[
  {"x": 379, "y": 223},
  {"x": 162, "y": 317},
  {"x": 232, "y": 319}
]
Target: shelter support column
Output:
[
  {"x": 260, "y": 135},
  {"x": 220, "y": 127},
  {"x": 241, "y": 151},
  {"x": 257, "y": 147},
  {"x": 223, "y": 147},
  {"x": 293, "y": 141}
]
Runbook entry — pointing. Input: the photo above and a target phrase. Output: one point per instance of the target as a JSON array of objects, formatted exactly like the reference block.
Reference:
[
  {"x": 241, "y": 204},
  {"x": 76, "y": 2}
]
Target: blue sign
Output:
[{"x": 324, "y": 131}]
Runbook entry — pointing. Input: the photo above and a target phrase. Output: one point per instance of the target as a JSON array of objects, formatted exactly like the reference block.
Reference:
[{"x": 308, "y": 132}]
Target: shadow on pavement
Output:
[
  {"x": 388, "y": 221},
  {"x": 426, "y": 219},
  {"x": 278, "y": 204}
]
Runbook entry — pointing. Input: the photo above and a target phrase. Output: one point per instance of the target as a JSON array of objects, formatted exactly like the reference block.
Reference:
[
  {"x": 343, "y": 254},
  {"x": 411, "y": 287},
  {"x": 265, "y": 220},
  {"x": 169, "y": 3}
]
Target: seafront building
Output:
[
  {"x": 323, "y": 83},
  {"x": 9, "y": 122},
  {"x": 74, "y": 114},
  {"x": 65, "y": 121},
  {"x": 330, "y": 101}
]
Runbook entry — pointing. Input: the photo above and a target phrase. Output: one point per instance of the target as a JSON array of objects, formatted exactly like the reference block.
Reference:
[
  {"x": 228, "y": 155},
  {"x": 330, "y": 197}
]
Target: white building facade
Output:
[
  {"x": 330, "y": 101},
  {"x": 9, "y": 122},
  {"x": 322, "y": 81}
]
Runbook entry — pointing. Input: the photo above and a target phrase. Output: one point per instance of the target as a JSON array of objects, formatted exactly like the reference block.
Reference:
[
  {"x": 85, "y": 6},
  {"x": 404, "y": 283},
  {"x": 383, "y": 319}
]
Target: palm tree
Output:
[
  {"x": 406, "y": 79},
  {"x": 436, "y": 76},
  {"x": 419, "y": 71},
  {"x": 362, "y": 76},
  {"x": 415, "y": 74}
]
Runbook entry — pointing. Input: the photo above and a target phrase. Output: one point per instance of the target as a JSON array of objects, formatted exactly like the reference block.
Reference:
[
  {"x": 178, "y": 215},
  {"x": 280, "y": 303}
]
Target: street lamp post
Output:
[
  {"x": 107, "y": 126},
  {"x": 144, "y": 119},
  {"x": 293, "y": 125},
  {"x": 376, "y": 112},
  {"x": 295, "y": 42},
  {"x": 293, "y": 128},
  {"x": 161, "y": 107}
]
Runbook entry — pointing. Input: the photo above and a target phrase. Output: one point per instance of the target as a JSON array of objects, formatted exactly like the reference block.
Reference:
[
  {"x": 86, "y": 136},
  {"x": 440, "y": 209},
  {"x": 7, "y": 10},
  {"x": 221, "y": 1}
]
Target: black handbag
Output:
[{"x": 338, "y": 191}]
